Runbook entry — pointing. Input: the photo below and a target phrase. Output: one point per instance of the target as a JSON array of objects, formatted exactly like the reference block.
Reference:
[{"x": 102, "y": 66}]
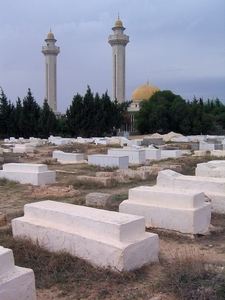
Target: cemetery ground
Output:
[{"x": 188, "y": 268}]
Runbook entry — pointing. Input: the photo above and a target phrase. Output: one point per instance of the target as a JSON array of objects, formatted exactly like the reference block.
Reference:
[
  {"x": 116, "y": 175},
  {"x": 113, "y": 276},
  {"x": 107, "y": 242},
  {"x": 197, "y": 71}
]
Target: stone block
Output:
[
  {"x": 211, "y": 169},
  {"x": 206, "y": 146},
  {"x": 26, "y": 168},
  {"x": 173, "y": 209},
  {"x": 23, "y": 148},
  {"x": 170, "y": 153},
  {"x": 138, "y": 174},
  {"x": 15, "y": 282},
  {"x": 152, "y": 153},
  {"x": 36, "y": 174},
  {"x": 1, "y": 151},
  {"x": 213, "y": 188},
  {"x": 68, "y": 158},
  {"x": 106, "y": 181},
  {"x": 153, "y": 141},
  {"x": 181, "y": 139},
  {"x": 218, "y": 153},
  {"x": 136, "y": 156},
  {"x": 98, "y": 199},
  {"x": 104, "y": 238},
  {"x": 112, "y": 161}
]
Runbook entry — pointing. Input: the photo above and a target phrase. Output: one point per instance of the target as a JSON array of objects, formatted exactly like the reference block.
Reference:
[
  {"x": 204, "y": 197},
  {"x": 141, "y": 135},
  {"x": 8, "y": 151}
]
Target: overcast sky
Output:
[{"x": 177, "y": 45}]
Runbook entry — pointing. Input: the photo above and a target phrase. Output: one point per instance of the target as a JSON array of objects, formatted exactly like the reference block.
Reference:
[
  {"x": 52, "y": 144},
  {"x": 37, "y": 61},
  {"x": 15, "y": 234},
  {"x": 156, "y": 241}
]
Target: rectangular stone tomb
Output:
[
  {"x": 213, "y": 188},
  {"x": 152, "y": 153},
  {"x": 104, "y": 160},
  {"x": 218, "y": 153},
  {"x": 214, "y": 168},
  {"x": 23, "y": 148},
  {"x": 173, "y": 209},
  {"x": 206, "y": 146},
  {"x": 170, "y": 153},
  {"x": 36, "y": 174},
  {"x": 68, "y": 158},
  {"x": 15, "y": 282},
  {"x": 135, "y": 156},
  {"x": 103, "y": 238}
]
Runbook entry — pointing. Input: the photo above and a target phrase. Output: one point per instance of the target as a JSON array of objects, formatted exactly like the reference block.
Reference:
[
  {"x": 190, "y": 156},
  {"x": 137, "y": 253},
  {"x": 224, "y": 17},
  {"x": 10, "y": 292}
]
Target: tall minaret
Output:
[
  {"x": 50, "y": 52},
  {"x": 118, "y": 41}
]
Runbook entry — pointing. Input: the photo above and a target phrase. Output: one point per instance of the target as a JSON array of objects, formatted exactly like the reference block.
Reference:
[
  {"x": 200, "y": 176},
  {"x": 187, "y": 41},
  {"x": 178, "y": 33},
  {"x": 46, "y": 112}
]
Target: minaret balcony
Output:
[
  {"x": 118, "y": 39},
  {"x": 50, "y": 49}
]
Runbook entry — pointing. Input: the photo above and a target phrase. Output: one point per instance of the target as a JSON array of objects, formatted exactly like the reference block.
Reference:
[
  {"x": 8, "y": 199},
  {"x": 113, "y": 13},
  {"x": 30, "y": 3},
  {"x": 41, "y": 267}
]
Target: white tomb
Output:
[
  {"x": 218, "y": 153},
  {"x": 170, "y": 153},
  {"x": 180, "y": 139},
  {"x": 15, "y": 282},
  {"x": 151, "y": 153},
  {"x": 104, "y": 160},
  {"x": 68, "y": 158},
  {"x": 136, "y": 156},
  {"x": 58, "y": 140},
  {"x": 173, "y": 209},
  {"x": 103, "y": 238},
  {"x": 206, "y": 146},
  {"x": 23, "y": 148},
  {"x": 36, "y": 174},
  {"x": 213, "y": 188},
  {"x": 214, "y": 168}
]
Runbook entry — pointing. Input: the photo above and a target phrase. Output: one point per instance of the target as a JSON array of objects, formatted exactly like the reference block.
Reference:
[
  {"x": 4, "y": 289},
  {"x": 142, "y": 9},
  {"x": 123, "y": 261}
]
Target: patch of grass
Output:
[
  {"x": 49, "y": 161},
  {"x": 67, "y": 272},
  {"x": 99, "y": 169},
  {"x": 120, "y": 197},
  {"x": 86, "y": 184},
  {"x": 188, "y": 276},
  {"x": 8, "y": 183}
]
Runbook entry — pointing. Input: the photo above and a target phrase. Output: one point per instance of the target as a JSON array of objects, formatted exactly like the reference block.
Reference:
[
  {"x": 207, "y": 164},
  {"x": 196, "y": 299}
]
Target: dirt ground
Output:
[{"x": 13, "y": 197}]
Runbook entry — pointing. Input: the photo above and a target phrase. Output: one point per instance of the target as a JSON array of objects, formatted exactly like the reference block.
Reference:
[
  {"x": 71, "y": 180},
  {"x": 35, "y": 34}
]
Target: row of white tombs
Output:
[{"x": 109, "y": 239}]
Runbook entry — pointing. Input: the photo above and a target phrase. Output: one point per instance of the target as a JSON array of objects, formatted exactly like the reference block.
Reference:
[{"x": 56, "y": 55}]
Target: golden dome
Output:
[
  {"x": 50, "y": 35},
  {"x": 144, "y": 92},
  {"x": 118, "y": 22}
]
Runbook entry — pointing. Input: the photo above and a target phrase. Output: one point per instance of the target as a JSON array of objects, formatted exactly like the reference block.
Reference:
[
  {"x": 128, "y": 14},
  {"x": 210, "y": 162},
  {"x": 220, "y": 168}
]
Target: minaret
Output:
[
  {"x": 118, "y": 41},
  {"x": 50, "y": 52}
]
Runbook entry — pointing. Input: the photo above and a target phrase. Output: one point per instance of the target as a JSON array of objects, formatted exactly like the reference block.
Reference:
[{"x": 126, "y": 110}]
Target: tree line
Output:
[
  {"x": 165, "y": 112},
  {"x": 88, "y": 115},
  {"x": 94, "y": 115}
]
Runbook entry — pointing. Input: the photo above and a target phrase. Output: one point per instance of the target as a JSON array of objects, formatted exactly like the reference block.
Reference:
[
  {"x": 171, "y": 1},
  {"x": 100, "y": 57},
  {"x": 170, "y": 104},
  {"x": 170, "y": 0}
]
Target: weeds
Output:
[
  {"x": 86, "y": 184},
  {"x": 49, "y": 162},
  {"x": 66, "y": 271},
  {"x": 188, "y": 276},
  {"x": 8, "y": 183}
]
